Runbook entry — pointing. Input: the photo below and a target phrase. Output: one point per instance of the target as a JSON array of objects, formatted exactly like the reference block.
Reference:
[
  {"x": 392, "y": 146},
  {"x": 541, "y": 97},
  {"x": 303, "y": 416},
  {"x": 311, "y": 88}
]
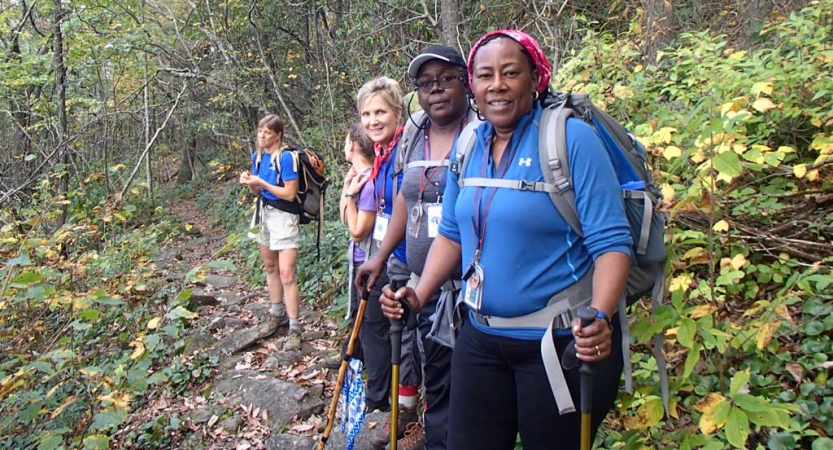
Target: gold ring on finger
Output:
[{"x": 598, "y": 351}]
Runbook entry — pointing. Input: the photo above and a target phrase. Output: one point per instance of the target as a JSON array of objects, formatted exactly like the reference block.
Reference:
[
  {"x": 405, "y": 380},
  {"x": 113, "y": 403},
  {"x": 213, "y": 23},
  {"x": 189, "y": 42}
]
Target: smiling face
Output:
[
  {"x": 267, "y": 138},
  {"x": 379, "y": 119},
  {"x": 503, "y": 83},
  {"x": 443, "y": 105}
]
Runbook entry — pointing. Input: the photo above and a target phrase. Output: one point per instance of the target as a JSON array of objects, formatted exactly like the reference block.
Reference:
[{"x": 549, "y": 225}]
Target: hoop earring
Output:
[
  {"x": 473, "y": 106},
  {"x": 534, "y": 95}
]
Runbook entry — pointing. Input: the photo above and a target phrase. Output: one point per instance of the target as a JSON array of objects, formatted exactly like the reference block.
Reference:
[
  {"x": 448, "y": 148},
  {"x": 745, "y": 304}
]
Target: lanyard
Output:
[
  {"x": 380, "y": 194},
  {"x": 429, "y": 172},
  {"x": 478, "y": 219}
]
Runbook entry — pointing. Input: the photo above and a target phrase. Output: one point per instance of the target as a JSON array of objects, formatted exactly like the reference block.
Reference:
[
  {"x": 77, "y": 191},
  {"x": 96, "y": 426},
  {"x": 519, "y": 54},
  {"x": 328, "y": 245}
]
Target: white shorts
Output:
[{"x": 279, "y": 230}]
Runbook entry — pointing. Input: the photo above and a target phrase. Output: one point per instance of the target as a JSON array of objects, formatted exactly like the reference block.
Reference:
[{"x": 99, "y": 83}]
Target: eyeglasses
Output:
[{"x": 425, "y": 85}]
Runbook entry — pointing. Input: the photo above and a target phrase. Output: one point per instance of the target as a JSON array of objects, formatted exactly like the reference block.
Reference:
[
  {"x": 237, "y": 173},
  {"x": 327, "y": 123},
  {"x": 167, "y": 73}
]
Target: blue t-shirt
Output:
[
  {"x": 272, "y": 174},
  {"x": 384, "y": 195},
  {"x": 529, "y": 251}
]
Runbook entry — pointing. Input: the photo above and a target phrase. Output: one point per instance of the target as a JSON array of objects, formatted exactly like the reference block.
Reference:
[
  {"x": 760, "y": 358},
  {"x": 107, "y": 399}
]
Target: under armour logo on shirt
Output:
[{"x": 525, "y": 162}]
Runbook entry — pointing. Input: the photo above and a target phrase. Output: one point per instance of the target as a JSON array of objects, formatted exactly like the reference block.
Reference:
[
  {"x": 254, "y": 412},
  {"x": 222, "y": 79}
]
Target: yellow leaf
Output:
[
  {"x": 786, "y": 149},
  {"x": 701, "y": 311},
  {"x": 816, "y": 122},
  {"x": 721, "y": 226},
  {"x": 784, "y": 313},
  {"x": 698, "y": 156},
  {"x": 63, "y": 406},
  {"x": 728, "y": 107},
  {"x": 138, "y": 349},
  {"x": 672, "y": 152},
  {"x": 762, "y": 88},
  {"x": 153, "y": 323},
  {"x": 738, "y": 261},
  {"x": 800, "y": 170},
  {"x": 648, "y": 415},
  {"x": 738, "y": 55},
  {"x": 739, "y": 149},
  {"x": 765, "y": 334},
  {"x": 667, "y": 192},
  {"x": 813, "y": 175},
  {"x": 188, "y": 227},
  {"x": 694, "y": 252},
  {"x": 663, "y": 135},
  {"x": 622, "y": 92},
  {"x": 680, "y": 282},
  {"x": 715, "y": 411},
  {"x": 763, "y": 104},
  {"x": 117, "y": 399},
  {"x": 708, "y": 402}
]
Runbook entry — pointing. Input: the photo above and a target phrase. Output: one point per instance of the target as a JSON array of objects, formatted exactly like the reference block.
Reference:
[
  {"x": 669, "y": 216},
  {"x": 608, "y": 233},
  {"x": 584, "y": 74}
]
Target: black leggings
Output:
[{"x": 499, "y": 387}]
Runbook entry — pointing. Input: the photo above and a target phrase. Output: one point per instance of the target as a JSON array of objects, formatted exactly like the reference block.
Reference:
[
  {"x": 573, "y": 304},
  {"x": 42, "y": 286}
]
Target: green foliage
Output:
[{"x": 741, "y": 143}]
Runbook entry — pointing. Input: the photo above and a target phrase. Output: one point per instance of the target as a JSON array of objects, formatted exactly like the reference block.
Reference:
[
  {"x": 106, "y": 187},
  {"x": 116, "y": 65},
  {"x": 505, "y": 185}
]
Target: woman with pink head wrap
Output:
[{"x": 522, "y": 261}]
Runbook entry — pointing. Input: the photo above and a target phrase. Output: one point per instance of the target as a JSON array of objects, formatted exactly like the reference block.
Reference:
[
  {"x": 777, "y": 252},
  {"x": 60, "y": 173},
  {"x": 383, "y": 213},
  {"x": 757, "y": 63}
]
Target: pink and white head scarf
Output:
[{"x": 542, "y": 64}]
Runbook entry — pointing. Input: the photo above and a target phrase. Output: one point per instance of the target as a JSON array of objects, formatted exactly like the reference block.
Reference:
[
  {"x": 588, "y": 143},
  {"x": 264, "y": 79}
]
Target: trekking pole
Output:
[
  {"x": 396, "y": 328},
  {"x": 342, "y": 371},
  {"x": 587, "y": 314}
]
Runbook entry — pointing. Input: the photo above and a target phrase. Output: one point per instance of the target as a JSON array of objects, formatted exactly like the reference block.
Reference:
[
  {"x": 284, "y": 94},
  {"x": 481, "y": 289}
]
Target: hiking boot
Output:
[
  {"x": 333, "y": 361},
  {"x": 414, "y": 438},
  {"x": 381, "y": 436},
  {"x": 271, "y": 322},
  {"x": 293, "y": 340}
]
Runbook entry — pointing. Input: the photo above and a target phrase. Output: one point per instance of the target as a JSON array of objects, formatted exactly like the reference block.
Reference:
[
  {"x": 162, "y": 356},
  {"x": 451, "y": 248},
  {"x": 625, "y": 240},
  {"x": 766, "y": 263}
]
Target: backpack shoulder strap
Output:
[
  {"x": 465, "y": 145},
  {"x": 414, "y": 124},
  {"x": 555, "y": 167}
]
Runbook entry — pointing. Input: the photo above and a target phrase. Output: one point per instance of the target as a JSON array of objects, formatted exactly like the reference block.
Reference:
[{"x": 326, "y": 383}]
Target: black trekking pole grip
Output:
[
  {"x": 587, "y": 314},
  {"x": 396, "y": 326}
]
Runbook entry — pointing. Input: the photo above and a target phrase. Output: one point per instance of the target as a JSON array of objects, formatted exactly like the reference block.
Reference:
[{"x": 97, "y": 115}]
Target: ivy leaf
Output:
[
  {"x": 22, "y": 260},
  {"x": 781, "y": 441},
  {"x": 822, "y": 443},
  {"x": 814, "y": 328},
  {"x": 222, "y": 265},
  {"x": 739, "y": 382},
  {"x": 181, "y": 312},
  {"x": 97, "y": 442},
  {"x": 727, "y": 163},
  {"x": 50, "y": 442},
  {"x": 737, "y": 428}
]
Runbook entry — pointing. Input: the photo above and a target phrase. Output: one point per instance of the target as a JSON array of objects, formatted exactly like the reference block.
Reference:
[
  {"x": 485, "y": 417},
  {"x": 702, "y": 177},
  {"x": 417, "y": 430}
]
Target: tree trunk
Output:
[
  {"x": 61, "y": 106},
  {"x": 659, "y": 27},
  {"x": 186, "y": 166},
  {"x": 450, "y": 21}
]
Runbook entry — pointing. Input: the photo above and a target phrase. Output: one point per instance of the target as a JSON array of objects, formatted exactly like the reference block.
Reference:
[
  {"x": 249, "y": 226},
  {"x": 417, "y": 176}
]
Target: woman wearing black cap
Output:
[
  {"x": 518, "y": 253},
  {"x": 439, "y": 75}
]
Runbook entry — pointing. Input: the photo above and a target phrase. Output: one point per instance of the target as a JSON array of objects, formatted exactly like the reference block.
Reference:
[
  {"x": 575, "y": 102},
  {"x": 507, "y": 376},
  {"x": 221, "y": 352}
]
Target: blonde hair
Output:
[
  {"x": 385, "y": 87},
  {"x": 273, "y": 123}
]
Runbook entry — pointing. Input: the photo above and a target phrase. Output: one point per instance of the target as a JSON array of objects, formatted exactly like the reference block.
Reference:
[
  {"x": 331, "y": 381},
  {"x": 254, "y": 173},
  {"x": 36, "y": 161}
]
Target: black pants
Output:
[
  {"x": 437, "y": 369},
  {"x": 500, "y": 388},
  {"x": 374, "y": 346}
]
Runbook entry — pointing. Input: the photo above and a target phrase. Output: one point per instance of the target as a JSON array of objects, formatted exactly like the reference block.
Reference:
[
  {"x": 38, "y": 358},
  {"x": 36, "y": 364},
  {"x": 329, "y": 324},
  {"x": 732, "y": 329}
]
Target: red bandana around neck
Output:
[{"x": 382, "y": 154}]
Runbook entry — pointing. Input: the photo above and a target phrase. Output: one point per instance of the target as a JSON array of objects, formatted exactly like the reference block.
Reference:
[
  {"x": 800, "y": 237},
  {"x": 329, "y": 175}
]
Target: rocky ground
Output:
[{"x": 257, "y": 396}]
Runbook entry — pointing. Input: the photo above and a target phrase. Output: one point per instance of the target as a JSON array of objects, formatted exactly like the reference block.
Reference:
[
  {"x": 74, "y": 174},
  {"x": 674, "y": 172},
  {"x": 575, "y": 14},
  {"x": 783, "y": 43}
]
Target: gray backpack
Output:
[{"x": 639, "y": 194}]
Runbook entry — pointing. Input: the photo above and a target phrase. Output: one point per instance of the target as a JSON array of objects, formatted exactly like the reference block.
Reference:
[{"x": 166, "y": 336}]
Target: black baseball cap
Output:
[{"x": 440, "y": 52}]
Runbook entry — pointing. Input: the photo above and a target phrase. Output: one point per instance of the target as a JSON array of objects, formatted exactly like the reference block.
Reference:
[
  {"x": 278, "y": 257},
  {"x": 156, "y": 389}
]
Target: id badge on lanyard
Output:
[
  {"x": 473, "y": 296},
  {"x": 380, "y": 228}
]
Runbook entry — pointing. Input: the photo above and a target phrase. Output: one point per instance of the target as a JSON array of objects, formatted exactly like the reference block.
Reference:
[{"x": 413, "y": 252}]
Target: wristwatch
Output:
[
  {"x": 349, "y": 195},
  {"x": 601, "y": 315}
]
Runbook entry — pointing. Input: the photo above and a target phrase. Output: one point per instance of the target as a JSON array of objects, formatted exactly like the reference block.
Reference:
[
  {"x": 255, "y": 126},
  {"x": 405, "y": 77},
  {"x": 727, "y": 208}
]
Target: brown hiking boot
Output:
[
  {"x": 414, "y": 438},
  {"x": 293, "y": 340},
  {"x": 381, "y": 436}
]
